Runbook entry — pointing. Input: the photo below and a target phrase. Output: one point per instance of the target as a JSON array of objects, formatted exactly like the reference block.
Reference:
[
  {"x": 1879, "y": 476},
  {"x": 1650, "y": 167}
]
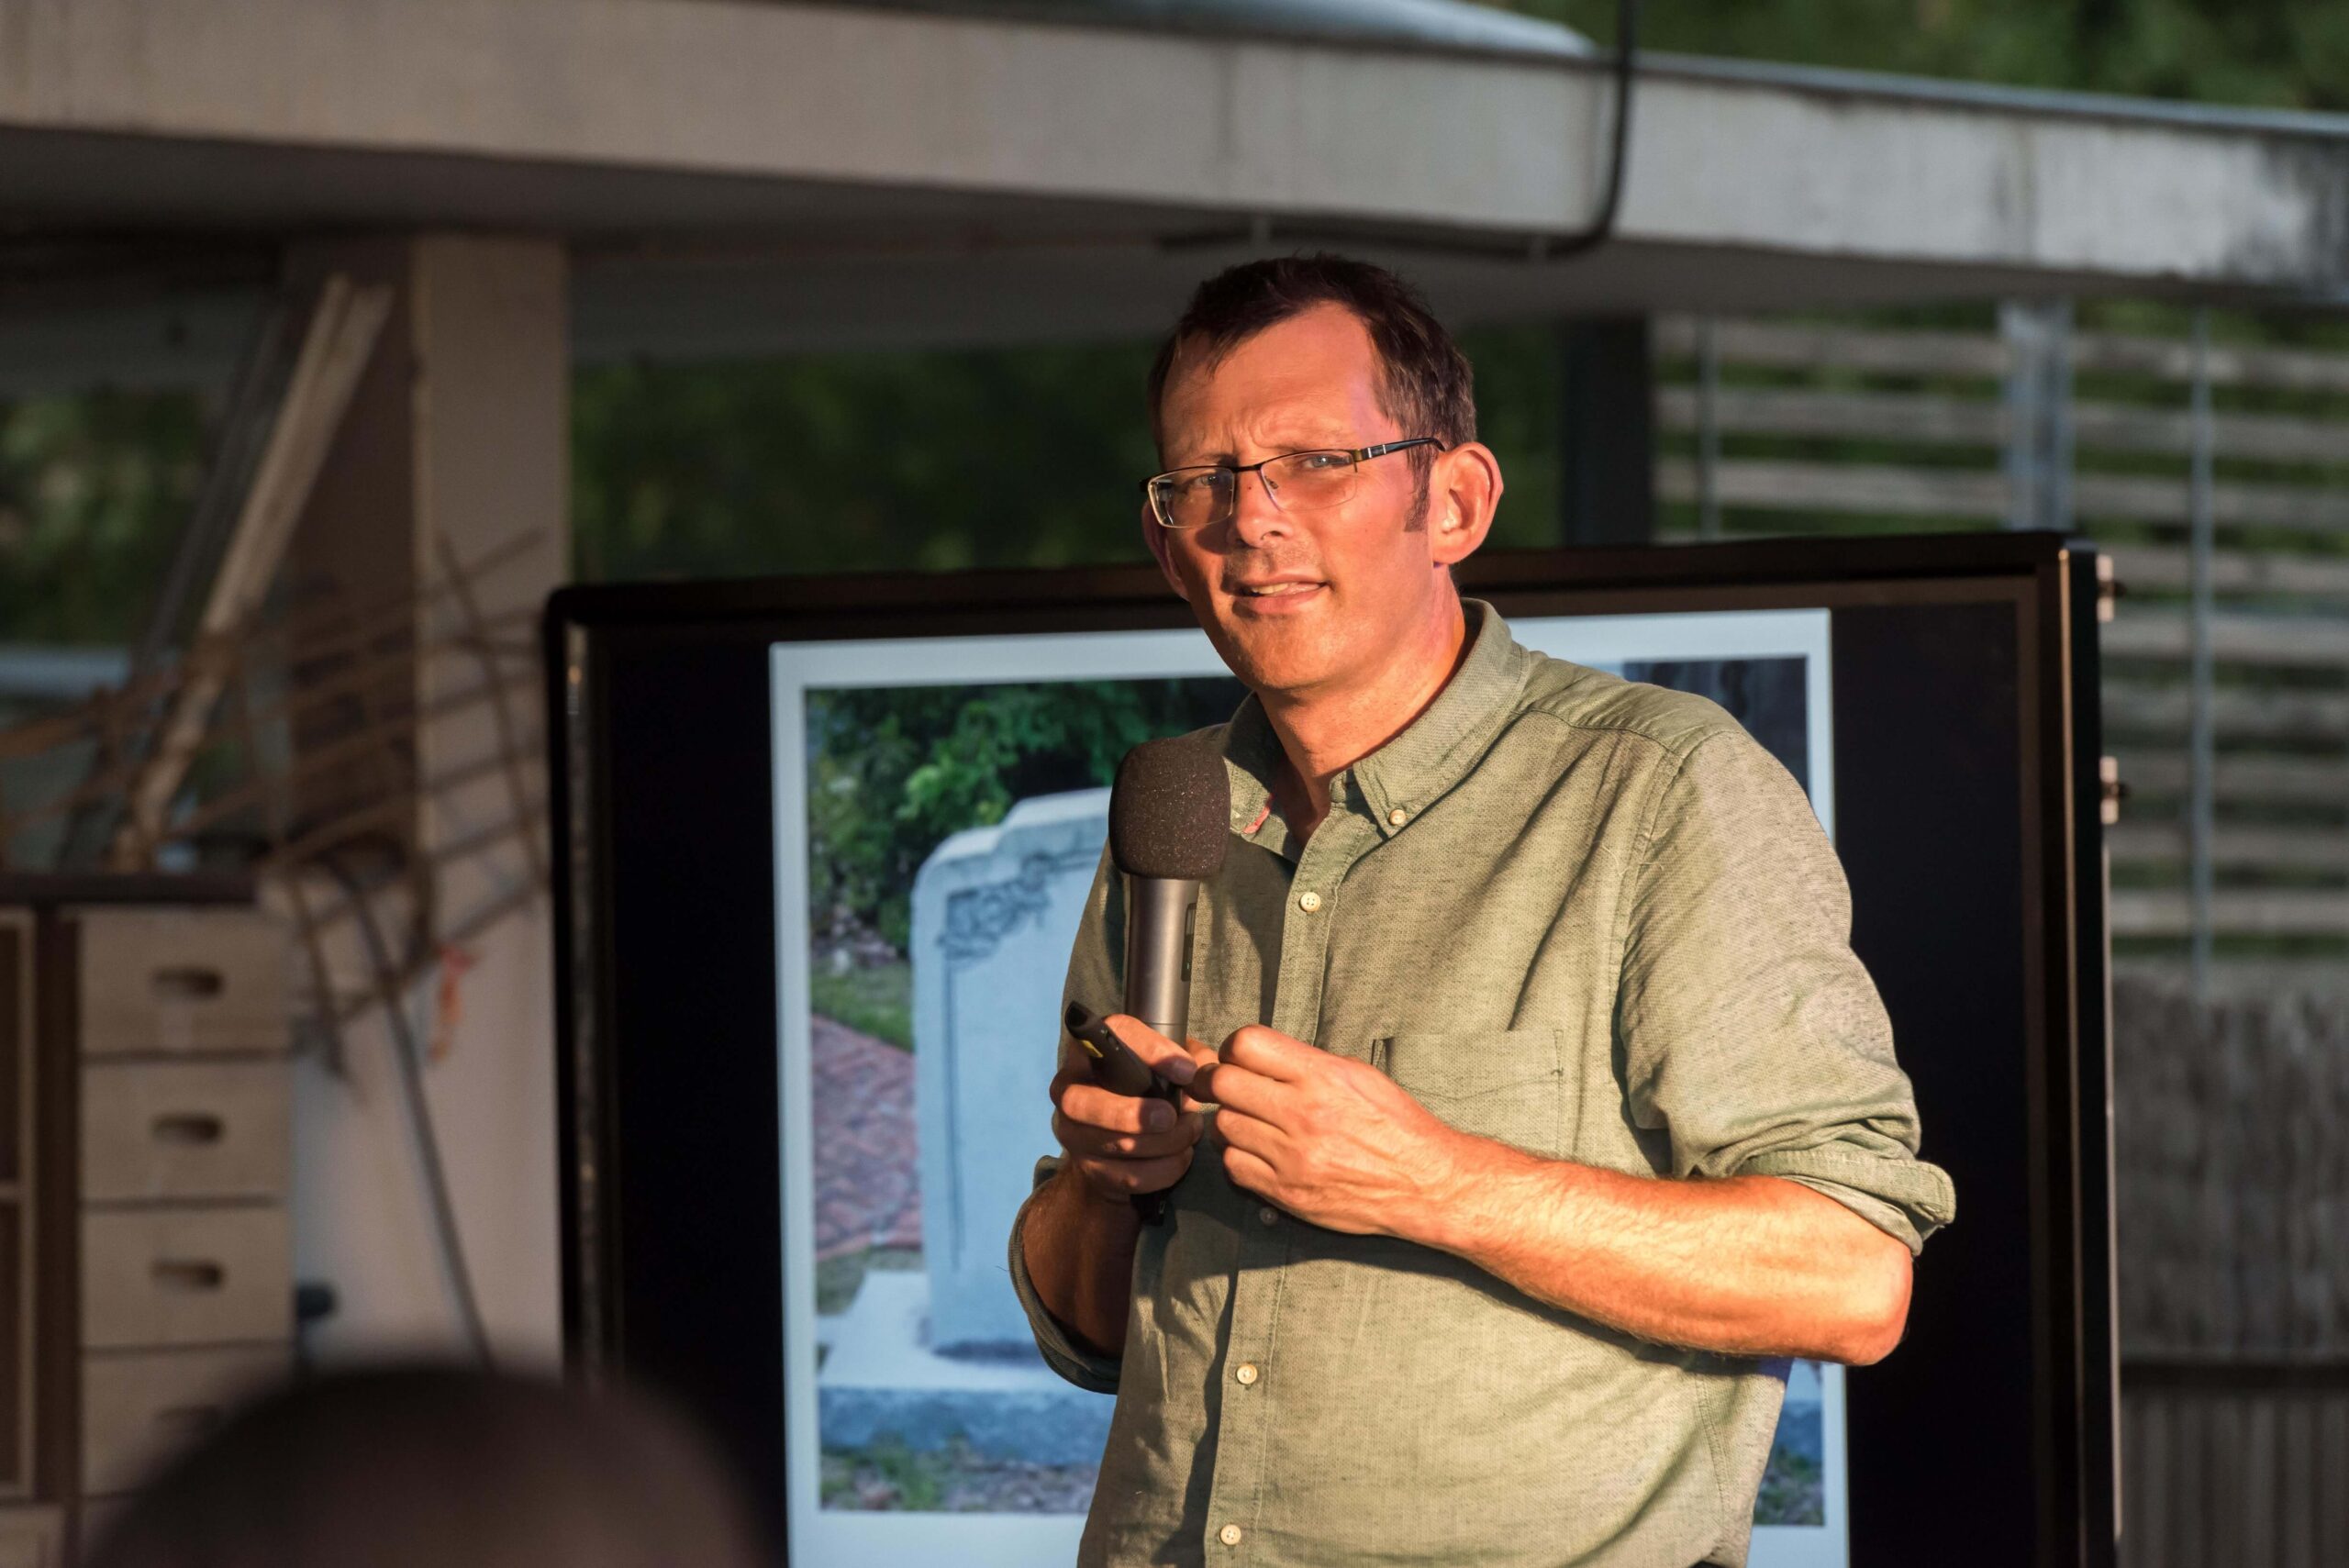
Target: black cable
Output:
[{"x": 1601, "y": 227}]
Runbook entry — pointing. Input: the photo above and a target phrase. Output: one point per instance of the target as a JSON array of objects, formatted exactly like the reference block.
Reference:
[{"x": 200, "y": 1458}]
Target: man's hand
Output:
[
  {"x": 1081, "y": 1230},
  {"x": 1117, "y": 1144},
  {"x": 1331, "y": 1140}
]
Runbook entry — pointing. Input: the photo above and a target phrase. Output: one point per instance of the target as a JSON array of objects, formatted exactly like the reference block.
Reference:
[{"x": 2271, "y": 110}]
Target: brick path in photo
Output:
[{"x": 868, "y": 1186}]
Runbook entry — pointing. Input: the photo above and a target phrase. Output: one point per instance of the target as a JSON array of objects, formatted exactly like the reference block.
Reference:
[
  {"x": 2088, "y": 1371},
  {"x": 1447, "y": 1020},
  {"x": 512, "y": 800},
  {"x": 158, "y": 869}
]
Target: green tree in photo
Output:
[
  {"x": 885, "y": 461},
  {"x": 893, "y": 771}
]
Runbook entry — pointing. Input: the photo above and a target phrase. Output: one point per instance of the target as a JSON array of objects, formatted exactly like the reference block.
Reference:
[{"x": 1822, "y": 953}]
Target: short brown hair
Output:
[{"x": 1424, "y": 381}]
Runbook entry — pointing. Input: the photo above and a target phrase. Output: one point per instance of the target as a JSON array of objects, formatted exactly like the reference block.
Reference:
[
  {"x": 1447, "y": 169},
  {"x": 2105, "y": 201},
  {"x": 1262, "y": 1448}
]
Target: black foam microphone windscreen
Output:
[
  {"x": 1170, "y": 810},
  {"x": 1170, "y": 821}
]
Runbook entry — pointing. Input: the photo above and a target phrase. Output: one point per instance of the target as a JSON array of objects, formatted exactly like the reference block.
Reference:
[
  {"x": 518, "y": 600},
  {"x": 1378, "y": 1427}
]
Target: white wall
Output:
[{"x": 488, "y": 457}]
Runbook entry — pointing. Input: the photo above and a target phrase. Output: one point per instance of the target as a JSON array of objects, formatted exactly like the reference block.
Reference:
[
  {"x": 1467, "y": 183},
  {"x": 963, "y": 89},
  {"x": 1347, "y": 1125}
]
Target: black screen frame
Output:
[{"x": 669, "y": 1151}]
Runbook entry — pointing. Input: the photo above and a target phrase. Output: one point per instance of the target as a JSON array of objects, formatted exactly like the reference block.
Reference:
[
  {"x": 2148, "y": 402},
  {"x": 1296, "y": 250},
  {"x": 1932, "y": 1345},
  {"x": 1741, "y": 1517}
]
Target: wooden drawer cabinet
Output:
[
  {"x": 193, "y": 1276},
  {"x": 138, "y": 1407},
  {"x": 146, "y": 1270},
  {"x": 178, "y": 1130},
  {"x": 176, "y": 981}
]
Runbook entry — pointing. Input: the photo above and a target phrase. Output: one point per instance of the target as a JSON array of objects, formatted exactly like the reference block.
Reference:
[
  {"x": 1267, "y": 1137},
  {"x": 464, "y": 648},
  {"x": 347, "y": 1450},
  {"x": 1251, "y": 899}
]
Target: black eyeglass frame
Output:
[{"x": 1356, "y": 456}]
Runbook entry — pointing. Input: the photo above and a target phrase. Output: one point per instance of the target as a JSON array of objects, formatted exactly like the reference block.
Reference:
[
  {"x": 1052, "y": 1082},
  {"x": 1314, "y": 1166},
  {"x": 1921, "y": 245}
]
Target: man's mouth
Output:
[{"x": 1272, "y": 590}]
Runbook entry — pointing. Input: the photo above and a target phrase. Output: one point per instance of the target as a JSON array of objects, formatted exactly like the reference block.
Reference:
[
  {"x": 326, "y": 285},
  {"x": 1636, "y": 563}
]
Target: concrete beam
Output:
[{"x": 683, "y": 112}]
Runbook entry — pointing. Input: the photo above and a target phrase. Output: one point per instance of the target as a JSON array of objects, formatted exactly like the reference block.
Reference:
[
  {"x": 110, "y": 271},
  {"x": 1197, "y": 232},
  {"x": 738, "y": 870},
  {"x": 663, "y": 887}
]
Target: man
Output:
[{"x": 1552, "y": 1110}]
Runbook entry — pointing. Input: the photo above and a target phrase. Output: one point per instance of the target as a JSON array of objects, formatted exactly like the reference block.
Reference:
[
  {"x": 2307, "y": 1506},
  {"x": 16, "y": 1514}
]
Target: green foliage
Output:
[
  {"x": 893, "y": 771},
  {"x": 1793, "y": 1492},
  {"x": 877, "y": 1000},
  {"x": 886, "y": 1474},
  {"x": 838, "y": 1278},
  {"x": 2281, "y": 53},
  {"x": 93, "y": 490},
  {"x": 889, "y": 1476},
  {"x": 1520, "y": 414},
  {"x": 828, "y": 462}
]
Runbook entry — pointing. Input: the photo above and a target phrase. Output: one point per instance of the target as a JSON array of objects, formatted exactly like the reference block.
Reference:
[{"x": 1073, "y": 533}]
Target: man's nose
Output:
[{"x": 1254, "y": 515}]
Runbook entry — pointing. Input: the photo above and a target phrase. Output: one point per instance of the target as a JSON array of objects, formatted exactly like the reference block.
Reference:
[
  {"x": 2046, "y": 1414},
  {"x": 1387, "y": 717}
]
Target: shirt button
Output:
[
  {"x": 1246, "y": 1373},
  {"x": 1229, "y": 1535},
  {"x": 1269, "y": 1214},
  {"x": 1397, "y": 817},
  {"x": 1308, "y": 901}
]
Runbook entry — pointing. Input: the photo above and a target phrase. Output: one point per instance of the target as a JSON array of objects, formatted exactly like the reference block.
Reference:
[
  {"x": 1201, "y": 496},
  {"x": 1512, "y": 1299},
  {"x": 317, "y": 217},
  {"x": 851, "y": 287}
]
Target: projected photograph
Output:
[{"x": 941, "y": 806}]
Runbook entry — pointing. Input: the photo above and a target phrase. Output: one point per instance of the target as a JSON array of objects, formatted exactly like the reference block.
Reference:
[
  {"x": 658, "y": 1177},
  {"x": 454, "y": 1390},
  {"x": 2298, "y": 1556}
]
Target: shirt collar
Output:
[{"x": 1402, "y": 778}]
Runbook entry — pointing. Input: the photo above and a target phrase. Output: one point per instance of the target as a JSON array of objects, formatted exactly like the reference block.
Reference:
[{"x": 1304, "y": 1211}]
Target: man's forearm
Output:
[
  {"x": 1079, "y": 1249},
  {"x": 1751, "y": 1265}
]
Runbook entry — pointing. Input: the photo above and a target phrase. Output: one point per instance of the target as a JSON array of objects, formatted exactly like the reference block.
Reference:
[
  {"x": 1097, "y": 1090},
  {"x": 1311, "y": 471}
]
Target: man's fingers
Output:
[
  {"x": 1097, "y": 1106},
  {"x": 1137, "y": 1176},
  {"x": 1250, "y": 1172},
  {"x": 1161, "y": 1055},
  {"x": 1200, "y": 1091},
  {"x": 1093, "y": 1142},
  {"x": 1239, "y": 1088},
  {"x": 1152, "y": 1145},
  {"x": 1269, "y": 1052},
  {"x": 1244, "y": 1132}
]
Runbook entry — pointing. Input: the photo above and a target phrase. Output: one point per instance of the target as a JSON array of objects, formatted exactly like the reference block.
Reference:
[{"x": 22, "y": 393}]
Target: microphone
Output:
[{"x": 1170, "y": 821}]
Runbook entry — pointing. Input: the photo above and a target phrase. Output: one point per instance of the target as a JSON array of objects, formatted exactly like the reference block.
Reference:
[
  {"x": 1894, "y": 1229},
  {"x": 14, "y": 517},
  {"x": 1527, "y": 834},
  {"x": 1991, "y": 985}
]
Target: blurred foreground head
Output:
[{"x": 426, "y": 1466}]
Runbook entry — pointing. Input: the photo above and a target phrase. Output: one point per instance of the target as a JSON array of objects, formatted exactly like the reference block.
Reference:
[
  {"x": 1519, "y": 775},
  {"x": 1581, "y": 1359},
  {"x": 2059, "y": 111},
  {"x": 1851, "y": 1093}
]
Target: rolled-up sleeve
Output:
[
  {"x": 1752, "y": 1037},
  {"x": 1061, "y": 1350}
]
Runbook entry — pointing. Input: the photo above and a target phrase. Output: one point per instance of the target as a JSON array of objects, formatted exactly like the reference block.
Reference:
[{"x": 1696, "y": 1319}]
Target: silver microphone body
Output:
[{"x": 1158, "y": 953}]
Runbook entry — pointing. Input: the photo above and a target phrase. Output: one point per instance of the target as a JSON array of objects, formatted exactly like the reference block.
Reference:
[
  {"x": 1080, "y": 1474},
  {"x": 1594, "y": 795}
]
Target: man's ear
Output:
[
  {"x": 1153, "y": 534},
  {"x": 1464, "y": 493}
]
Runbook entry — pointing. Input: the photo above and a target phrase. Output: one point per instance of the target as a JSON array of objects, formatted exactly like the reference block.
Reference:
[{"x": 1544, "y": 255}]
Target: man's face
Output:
[{"x": 1301, "y": 602}]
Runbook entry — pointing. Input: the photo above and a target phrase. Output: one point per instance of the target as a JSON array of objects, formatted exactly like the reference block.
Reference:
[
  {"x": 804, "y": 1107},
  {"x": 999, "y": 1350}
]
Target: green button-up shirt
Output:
[{"x": 1586, "y": 917}]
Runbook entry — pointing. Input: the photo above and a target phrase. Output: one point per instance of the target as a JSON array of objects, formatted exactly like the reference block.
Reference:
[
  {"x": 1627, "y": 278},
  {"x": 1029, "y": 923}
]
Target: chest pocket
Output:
[{"x": 1511, "y": 1086}]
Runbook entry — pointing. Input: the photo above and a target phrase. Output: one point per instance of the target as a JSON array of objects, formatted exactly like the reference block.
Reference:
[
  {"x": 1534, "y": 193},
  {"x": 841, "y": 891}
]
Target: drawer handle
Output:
[
  {"x": 192, "y": 1277},
  {"x": 189, "y": 1129},
  {"x": 187, "y": 984}
]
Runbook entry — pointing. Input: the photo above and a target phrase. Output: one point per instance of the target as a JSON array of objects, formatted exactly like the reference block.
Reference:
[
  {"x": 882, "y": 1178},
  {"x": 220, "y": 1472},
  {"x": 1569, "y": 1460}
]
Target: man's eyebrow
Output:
[{"x": 1306, "y": 435}]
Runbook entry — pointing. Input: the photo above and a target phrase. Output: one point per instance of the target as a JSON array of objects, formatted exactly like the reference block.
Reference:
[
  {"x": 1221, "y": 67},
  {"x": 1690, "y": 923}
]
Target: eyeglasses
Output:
[{"x": 1296, "y": 482}]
